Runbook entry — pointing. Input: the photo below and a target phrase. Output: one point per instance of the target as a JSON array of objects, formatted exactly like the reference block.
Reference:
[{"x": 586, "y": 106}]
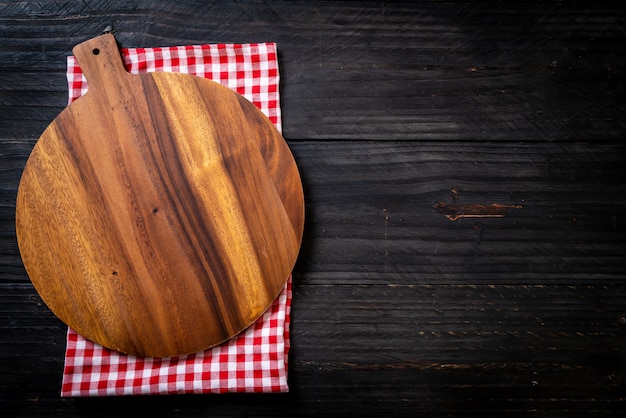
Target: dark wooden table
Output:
[{"x": 463, "y": 164}]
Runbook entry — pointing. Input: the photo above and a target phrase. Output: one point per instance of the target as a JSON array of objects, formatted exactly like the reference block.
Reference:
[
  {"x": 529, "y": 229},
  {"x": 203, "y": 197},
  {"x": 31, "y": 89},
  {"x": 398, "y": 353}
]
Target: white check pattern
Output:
[{"x": 255, "y": 360}]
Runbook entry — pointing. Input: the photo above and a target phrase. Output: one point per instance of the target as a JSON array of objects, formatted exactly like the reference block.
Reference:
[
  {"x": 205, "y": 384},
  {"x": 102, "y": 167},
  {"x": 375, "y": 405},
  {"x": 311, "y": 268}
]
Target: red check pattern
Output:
[{"x": 255, "y": 360}]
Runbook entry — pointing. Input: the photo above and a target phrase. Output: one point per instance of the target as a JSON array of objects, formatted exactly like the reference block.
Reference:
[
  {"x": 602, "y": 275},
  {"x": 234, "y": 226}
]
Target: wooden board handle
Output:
[{"x": 101, "y": 61}]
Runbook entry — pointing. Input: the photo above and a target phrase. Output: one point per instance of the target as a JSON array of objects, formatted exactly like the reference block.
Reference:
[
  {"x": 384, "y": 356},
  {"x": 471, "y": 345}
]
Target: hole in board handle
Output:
[{"x": 95, "y": 51}]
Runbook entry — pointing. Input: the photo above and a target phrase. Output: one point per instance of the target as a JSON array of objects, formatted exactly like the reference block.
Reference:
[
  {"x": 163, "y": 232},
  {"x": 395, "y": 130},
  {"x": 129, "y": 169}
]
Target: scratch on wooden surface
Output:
[{"x": 455, "y": 210}]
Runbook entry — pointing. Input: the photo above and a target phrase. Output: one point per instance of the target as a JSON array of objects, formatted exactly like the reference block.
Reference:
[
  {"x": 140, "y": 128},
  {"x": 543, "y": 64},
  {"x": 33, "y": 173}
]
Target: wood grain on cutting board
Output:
[{"x": 160, "y": 214}]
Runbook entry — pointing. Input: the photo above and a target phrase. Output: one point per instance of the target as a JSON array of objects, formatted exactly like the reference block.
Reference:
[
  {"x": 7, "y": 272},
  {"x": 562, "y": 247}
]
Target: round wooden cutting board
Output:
[{"x": 159, "y": 214}]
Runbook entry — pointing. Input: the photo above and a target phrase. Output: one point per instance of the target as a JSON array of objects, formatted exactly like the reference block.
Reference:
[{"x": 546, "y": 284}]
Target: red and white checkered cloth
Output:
[{"x": 256, "y": 359}]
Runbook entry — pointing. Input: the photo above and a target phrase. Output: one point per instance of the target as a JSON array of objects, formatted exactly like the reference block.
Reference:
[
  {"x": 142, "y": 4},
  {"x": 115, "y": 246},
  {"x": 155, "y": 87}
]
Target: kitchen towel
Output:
[{"x": 255, "y": 360}]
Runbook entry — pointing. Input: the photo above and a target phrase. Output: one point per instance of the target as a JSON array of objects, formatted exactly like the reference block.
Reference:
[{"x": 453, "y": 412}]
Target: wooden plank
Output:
[
  {"x": 362, "y": 70},
  {"x": 417, "y": 326},
  {"x": 372, "y": 212},
  {"x": 437, "y": 349}
]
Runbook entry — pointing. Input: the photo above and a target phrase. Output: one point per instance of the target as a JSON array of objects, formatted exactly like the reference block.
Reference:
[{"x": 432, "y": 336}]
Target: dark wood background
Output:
[{"x": 401, "y": 116}]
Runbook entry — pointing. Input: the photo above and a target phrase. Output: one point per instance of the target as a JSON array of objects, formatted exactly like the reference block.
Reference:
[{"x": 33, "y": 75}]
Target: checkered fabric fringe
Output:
[{"x": 253, "y": 361}]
